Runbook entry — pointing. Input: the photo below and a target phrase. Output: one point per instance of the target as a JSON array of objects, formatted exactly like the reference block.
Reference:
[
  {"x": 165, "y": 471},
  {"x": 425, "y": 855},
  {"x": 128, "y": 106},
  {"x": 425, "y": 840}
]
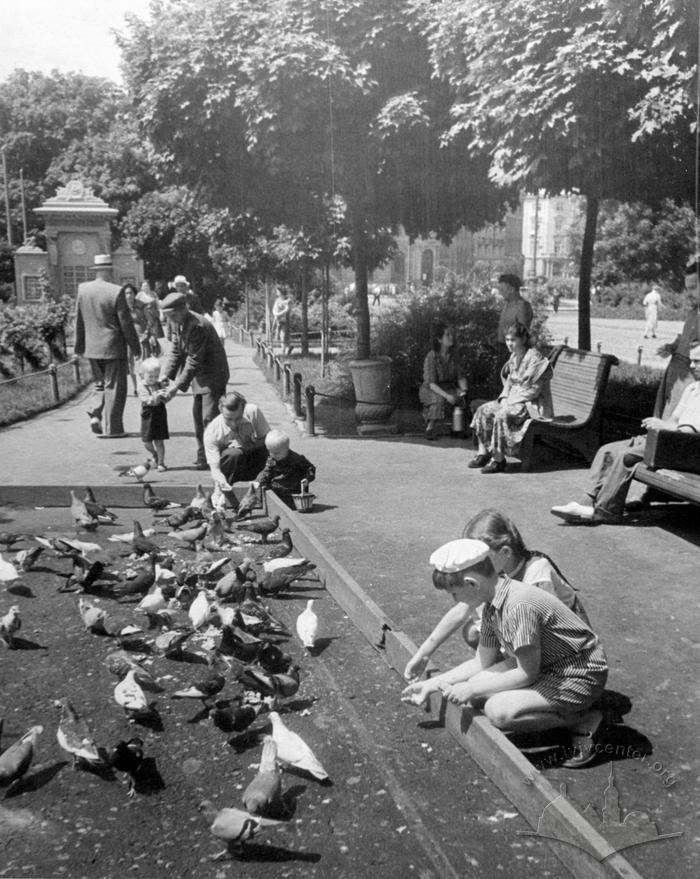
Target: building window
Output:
[{"x": 32, "y": 288}]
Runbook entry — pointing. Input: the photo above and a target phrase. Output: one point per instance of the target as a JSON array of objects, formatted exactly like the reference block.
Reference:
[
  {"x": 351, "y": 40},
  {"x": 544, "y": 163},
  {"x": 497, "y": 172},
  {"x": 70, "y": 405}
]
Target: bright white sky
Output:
[{"x": 64, "y": 35}]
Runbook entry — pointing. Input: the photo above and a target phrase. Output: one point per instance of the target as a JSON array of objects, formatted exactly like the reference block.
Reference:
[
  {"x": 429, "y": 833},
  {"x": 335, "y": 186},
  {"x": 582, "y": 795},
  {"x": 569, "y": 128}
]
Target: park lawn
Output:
[{"x": 32, "y": 394}]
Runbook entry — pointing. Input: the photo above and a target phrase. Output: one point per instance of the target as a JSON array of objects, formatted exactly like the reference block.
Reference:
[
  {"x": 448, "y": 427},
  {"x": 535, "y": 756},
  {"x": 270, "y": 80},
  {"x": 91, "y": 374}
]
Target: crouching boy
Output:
[{"x": 553, "y": 667}]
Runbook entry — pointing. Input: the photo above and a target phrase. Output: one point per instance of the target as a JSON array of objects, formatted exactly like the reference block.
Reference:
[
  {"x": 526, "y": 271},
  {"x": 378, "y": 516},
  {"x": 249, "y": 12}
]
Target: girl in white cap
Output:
[{"x": 554, "y": 667}]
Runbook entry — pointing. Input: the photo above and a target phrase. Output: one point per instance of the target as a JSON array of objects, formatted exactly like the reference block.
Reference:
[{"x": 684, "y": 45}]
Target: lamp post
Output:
[{"x": 7, "y": 197}]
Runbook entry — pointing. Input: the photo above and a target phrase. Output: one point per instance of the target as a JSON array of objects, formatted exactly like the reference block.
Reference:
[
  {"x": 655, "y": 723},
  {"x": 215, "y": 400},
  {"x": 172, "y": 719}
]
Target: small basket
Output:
[{"x": 303, "y": 502}]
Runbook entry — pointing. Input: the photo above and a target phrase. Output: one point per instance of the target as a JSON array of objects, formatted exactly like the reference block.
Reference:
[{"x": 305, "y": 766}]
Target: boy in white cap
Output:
[{"x": 553, "y": 668}]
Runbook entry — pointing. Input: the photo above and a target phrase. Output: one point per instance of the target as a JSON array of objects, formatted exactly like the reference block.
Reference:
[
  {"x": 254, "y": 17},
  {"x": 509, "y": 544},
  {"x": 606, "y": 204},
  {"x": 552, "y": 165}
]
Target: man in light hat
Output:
[
  {"x": 182, "y": 285},
  {"x": 197, "y": 357},
  {"x": 103, "y": 331},
  {"x": 554, "y": 668},
  {"x": 613, "y": 467}
]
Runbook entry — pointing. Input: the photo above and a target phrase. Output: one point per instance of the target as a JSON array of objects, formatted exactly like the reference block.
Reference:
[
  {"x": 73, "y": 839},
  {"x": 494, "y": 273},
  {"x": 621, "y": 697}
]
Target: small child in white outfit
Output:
[{"x": 154, "y": 416}]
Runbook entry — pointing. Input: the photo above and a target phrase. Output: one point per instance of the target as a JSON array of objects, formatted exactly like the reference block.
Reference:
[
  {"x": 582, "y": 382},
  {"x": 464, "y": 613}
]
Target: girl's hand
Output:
[
  {"x": 415, "y": 667},
  {"x": 417, "y": 693},
  {"x": 459, "y": 694}
]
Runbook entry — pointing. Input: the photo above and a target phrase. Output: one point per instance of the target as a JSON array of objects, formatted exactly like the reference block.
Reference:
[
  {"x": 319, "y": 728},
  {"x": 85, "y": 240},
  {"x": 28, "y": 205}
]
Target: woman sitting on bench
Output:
[
  {"x": 442, "y": 382},
  {"x": 500, "y": 425}
]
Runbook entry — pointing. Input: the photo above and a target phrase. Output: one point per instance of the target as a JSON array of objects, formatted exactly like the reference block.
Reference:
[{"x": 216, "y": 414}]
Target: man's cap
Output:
[
  {"x": 458, "y": 555},
  {"x": 103, "y": 261},
  {"x": 173, "y": 300},
  {"x": 513, "y": 280},
  {"x": 180, "y": 279}
]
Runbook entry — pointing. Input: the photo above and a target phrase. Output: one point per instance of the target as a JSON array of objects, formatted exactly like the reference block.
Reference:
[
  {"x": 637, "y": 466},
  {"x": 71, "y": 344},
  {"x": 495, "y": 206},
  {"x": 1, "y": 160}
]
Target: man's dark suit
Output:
[
  {"x": 198, "y": 357},
  {"x": 103, "y": 330}
]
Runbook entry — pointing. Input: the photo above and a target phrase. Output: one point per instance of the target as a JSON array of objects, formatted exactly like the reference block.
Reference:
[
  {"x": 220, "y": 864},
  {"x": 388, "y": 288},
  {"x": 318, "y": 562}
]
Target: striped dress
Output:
[{"x": 573, "y": 668}]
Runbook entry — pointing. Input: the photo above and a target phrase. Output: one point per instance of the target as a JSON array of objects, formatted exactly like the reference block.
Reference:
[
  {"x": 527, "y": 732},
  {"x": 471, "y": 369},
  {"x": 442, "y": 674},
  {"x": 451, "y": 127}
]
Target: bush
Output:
[
  {"x": 625, "y": 301},
  {"x": 30, "y": 335}
]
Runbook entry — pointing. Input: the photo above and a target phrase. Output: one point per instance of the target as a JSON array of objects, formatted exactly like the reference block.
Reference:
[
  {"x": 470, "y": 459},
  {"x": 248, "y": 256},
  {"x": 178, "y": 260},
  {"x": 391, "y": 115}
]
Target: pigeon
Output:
[
  {"x": 152, "y": 500},
  {"x": 130, "y": 696},
  {"x": 219, "y": 500},
  {"x": 212, "y": 571},
  {"x": 98, "y": 511},
  {"x": 234, "y": 825},
  {"x": 85, "y": 575},
  {"x": 80, "y": 512},
  {"x": 120, "y": 663},
  {"x": 94, "y": 618},
  {"x": 16, "y": 760},
  {"x": 65, "y": 546},
  {"x": 141, "y": 583},
  {"x": 261, "y": 525},
  {"x": 138, "y": 471},
  {"x": 283, "y": 574},
  {"x": 165, "y": 576},
  {"x": 250, "y": 501},
  {"x": 201, "y": 500},
  {"x": 236, "y": 719},
  {"x": 203, "y": 689},
  {"x": 199, "y": 611},
  {"x": 169, "y": 644},
  {"x": 292, "y": 750},
  {"x": 153, "y": 602},
  {"x": 255, "y": 617},
  {"x": 128, "y": 536},
  {"x": 281, "y": 549},
  {"x": 264, "y": 793},
  {"x": 236, "y": 585},
  {"x": 307, "y": 626},
  {"x": 277, "y": 685},
  {"x": 215, "y": 529},
  {"x": 27, "y": 558},
  {"x": 272, "y": 659},
  {"x": 74, "y": 736},
  {"x": 141, "y": 542},
  {"x": 8, "y": 539},
  {"x": 9, "y": 625},
  {"x": 189, "y": 536},
  {"x": 8, "y": 572},
  {"x": 127, "y": 757},
  {"x": 239, "y": 643},
  {"x": 182, "y": 517}
]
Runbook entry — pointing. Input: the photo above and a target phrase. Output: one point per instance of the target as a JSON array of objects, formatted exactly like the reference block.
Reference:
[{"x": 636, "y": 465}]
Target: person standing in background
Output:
[
  {"x": 651, "y": 303},
  {"x": 516, "y": 310},
  {"x": 104, "y": 331}
]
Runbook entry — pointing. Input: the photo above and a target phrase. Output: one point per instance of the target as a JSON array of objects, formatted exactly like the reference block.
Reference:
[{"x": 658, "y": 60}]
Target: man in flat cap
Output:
[
  {"x": 515, "y": 310},
  {"x": 103, "y": 331},
  {"x": 197, "y": 357}
]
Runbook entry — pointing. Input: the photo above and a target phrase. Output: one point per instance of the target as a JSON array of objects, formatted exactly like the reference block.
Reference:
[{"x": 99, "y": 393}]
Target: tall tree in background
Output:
[
  {"x": 568, "y": 95},
  {"x": 276, "y": 106}
]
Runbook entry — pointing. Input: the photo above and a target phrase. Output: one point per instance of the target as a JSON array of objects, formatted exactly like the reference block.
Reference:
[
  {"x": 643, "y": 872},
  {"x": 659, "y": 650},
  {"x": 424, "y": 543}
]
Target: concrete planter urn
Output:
[{"x": 372, "y": 382}]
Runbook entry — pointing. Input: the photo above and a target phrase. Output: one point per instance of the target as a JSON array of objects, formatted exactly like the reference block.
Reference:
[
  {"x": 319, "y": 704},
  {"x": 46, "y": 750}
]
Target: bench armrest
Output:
[{"x": 673, "y": 450}]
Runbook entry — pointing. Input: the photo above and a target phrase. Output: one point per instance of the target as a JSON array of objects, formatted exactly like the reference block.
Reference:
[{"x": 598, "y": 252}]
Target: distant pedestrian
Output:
[
  {"x": 197, "y": 357},
  {"x": 281, "y": 313},
  {"x": 556, "y": 299},
  {"x": 154, "y": 416},
  {"x": 104, "y": 332},
  {"x": 651, "y": 303}
]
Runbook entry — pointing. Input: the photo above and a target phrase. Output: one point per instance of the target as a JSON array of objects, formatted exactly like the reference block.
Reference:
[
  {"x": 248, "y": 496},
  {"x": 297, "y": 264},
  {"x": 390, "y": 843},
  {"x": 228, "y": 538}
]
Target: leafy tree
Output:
[
  {"x": 636, "y": 242},
  {"x": 548, "y": 90},
  {"x": 276, "y": 106}
]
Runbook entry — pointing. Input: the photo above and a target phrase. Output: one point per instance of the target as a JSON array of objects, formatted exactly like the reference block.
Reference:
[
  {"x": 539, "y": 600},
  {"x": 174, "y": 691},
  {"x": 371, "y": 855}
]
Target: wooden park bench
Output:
[
  {"x": 578, "y": 386},
  {"x": 672, "y": 464}
]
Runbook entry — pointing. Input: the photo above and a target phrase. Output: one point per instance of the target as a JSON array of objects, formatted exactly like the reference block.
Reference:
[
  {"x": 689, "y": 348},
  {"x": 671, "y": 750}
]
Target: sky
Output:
[{"x": 65, "y": 35}]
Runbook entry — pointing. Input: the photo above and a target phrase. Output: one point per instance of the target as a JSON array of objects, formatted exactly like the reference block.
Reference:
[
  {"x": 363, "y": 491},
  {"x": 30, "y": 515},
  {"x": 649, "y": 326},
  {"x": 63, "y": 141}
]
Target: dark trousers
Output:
[
  {"x": 240, "y": 466},
  {"x": 205, "y": 408},
  {"x": 109, "y": 395}
]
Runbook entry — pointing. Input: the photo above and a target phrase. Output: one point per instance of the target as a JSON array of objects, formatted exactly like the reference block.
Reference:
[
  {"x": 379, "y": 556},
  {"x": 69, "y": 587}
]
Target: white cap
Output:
[{"x": 457, "y": 555}]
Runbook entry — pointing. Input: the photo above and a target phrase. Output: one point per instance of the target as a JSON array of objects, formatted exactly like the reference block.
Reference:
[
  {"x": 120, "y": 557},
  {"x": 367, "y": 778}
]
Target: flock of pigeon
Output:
[{"x": 198, "y": 592}]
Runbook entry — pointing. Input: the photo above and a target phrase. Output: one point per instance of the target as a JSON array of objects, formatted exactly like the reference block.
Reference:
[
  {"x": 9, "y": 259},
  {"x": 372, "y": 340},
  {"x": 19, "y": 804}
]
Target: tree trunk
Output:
[
  {"x": 362, "y": 316},
  {"x": 304, "y": 314},
  {"x": 585, "y": 271}
]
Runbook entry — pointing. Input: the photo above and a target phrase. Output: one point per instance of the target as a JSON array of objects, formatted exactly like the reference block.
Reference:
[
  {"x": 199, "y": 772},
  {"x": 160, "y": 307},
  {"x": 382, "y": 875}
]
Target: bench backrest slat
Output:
[{"x": 579, "y": 381}]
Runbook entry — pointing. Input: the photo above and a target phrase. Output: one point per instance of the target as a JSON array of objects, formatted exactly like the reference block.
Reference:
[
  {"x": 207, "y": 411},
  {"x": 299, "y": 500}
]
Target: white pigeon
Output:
[
  {"x": 129, "y": 695},
  {"x": 201, "y": 499},
  {"x": 307, "y": 626},
  {"x": 293, "y": 751},
  {"x": 153, "y": 602},
  {"x": 10, "y": 623},
  {"x": 165, "y": 575},
  {"x": 272, "y": 565},
  {"x": 199, "y": 611},
  {"x": 93, "y": 617},
  {"x": 128, "y": 537},
  {"x": 226, "y": 615},
  {"x": 218, "y": 499},
  {"x": 8, "y": 572}
]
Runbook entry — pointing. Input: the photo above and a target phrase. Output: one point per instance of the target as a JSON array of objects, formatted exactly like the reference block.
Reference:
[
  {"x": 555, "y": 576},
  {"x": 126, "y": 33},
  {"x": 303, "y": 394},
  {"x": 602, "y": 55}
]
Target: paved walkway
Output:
[{"x": 383, "y": 505}]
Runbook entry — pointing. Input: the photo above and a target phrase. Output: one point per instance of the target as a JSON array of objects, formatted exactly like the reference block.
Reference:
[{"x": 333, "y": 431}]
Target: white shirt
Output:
[
  {"x": 248, "y": 434},
  {"x": 687, "y": 412}
]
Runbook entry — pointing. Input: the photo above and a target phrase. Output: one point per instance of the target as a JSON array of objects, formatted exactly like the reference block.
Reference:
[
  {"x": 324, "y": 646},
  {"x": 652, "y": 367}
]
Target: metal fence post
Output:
[
  {"x": 599, "y": 347},
  {"x": 286, "y": 380},
  {"x": 639, "y": 355},
  {"x": 297, "y": 379},
  {"x": 278, "y": 369},
  {"x": 566, "y": 341},
  {"x": 310, "y": 411},
  {"x": 53, "y": 375},
  {"x": 75, "y": 360}
]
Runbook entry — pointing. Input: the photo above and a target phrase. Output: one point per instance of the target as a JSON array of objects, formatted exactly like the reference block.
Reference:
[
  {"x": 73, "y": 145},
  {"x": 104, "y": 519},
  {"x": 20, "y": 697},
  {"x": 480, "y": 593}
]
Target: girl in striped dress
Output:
[{"x": 538, "y": 665}]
